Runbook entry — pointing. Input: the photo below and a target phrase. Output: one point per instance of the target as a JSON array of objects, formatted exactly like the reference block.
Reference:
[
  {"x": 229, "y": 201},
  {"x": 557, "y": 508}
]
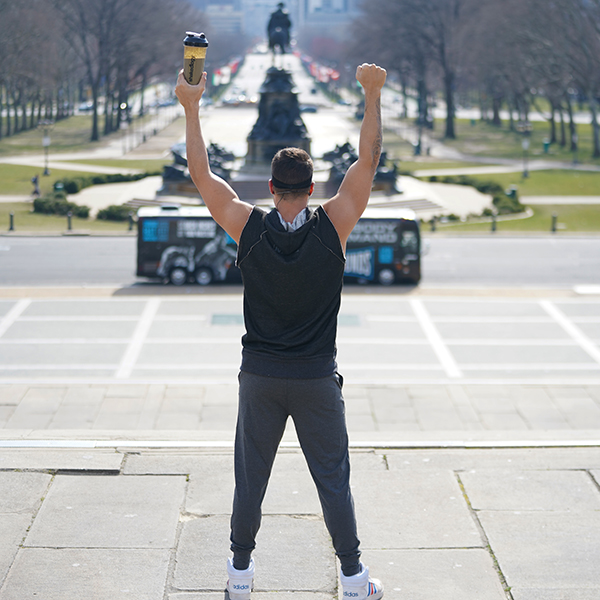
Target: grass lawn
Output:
[
  {"x": 68, "y": 135},
  {"x": 483, "y": 139},
  {"x": 558, "y": 182},
  {"x": 142, "y": 165},
  {"x": 27, "y": 221},
  {"x": 572, "y": 218},
  {"x": 434, "y": 165},
  {"x": 16, "y": 179}
]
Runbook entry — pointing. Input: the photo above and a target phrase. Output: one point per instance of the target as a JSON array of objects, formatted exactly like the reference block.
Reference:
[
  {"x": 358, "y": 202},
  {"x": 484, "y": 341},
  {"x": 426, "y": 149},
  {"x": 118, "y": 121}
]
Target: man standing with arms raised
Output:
[{"x": 292, "y": 264}]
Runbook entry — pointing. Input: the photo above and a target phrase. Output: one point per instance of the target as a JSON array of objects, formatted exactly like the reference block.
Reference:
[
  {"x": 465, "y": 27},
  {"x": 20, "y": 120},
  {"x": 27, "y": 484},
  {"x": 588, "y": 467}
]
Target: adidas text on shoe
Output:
[
  {"x": 361, "y": 586},
  {"x": 240, "y": 583}
]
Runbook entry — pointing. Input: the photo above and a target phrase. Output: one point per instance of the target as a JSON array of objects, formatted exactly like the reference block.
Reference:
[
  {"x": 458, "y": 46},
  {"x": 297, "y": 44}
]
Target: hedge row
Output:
[
  {"x": 115, "y": 212},
  {"x": 504, "y": 203},
  {"x": 76, "y": 184},
  {"x": 56, "y": 203}
]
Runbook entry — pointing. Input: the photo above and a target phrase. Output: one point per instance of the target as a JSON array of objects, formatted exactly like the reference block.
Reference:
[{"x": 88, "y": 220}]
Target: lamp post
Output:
[
  {"x": 123, "y": 124},
  {"x": 525, "y": 127},
  {"x": 46, "y": 126}
]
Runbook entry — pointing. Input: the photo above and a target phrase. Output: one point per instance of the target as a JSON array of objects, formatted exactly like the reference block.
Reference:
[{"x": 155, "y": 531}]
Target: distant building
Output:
[
  {"x": 225, "y": 18},
  {"x": 327, "y": 18}
]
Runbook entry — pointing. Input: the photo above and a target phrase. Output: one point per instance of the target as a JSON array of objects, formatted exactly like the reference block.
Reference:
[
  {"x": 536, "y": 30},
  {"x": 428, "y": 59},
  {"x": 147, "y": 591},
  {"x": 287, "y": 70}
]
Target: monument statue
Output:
[
  {"x": 279, "y": 30},
  {"x": 279, "y": 122}
]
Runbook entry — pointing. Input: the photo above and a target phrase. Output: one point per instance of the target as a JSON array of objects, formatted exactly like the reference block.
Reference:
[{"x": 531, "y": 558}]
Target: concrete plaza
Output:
[{"x": 475, "y": 449}]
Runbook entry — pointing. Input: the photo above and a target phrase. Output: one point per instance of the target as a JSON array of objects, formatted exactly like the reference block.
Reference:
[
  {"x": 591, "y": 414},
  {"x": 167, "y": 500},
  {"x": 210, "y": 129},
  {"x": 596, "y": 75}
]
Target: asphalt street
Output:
[{"x": 544, "y": 261}]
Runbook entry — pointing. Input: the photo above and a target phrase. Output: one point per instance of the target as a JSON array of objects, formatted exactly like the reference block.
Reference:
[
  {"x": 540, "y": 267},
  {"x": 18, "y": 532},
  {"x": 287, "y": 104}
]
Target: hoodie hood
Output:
[{"x": 286, "y": 242}]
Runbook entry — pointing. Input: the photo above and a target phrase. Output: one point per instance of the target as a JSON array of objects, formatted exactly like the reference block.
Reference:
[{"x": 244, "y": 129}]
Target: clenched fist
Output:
[{"x": 371, "y": 77}]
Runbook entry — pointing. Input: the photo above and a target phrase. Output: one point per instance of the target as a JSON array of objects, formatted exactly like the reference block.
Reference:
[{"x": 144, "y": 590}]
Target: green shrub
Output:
[
  {"x": 504, "y": 204},
  {"x": 114, "y": 213},
  {"x": 74, "y": 185},
  {"x": 56, "y": 203}
]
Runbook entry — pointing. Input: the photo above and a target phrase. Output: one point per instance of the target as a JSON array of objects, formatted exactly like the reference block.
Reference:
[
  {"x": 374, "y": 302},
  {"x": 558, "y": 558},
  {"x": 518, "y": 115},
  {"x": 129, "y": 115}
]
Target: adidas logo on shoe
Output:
[{"x": 361, "y": 586}]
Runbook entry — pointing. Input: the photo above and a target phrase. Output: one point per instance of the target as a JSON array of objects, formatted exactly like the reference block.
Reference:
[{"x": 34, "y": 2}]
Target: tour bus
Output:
[{"x": 184, "y": 245}]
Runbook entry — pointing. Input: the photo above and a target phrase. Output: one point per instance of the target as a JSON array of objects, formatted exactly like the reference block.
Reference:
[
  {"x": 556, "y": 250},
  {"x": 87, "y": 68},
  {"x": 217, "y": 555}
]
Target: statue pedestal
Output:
[{"x": 279, "y": 124}]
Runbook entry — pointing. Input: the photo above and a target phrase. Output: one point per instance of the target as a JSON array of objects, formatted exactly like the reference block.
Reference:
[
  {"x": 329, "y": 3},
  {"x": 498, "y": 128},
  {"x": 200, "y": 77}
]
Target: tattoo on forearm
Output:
[{"x": 378, "y": 141}]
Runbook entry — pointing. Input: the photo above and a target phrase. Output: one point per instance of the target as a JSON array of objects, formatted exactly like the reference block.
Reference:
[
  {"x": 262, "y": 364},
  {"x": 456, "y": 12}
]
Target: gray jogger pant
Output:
[{"x": 317, "y": 408}]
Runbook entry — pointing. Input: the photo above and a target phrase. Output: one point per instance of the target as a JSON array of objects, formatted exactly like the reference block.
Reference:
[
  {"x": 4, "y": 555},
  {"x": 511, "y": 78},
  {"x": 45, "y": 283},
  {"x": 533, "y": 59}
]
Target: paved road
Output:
[{"x": 557, "y": 262}]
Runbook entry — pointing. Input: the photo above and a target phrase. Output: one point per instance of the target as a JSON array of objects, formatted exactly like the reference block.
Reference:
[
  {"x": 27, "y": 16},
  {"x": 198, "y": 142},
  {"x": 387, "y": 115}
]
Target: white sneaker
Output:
[
  {"x": 361, "y": 586},
  {"x": 240, "y": 583}
]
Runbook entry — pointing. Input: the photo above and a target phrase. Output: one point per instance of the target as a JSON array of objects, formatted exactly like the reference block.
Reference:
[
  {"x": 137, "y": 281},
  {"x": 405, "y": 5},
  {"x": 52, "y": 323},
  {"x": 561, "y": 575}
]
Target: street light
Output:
[
  {"x": 46, "y": 126},
  {"x": 525, "y": 127},
  {"x": 123, "y": 124}
]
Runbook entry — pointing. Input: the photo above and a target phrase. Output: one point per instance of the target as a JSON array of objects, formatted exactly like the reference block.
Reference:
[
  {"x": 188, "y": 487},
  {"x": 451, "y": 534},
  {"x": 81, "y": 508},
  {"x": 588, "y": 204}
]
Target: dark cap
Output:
[{"x": 195, "y": 39}]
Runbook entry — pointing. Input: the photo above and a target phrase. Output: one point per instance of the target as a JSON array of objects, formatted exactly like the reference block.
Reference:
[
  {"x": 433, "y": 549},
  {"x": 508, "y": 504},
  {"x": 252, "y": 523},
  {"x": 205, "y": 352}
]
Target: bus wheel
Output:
[
  {"x": 386, "y": 277},
  {"x": 204, "y": 276},
  {"x": 178, "y": 276}
]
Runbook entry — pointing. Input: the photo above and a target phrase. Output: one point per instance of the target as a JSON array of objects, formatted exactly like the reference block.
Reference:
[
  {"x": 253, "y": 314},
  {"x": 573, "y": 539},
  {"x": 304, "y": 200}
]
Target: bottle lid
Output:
[{"x": 195, "y": 39}]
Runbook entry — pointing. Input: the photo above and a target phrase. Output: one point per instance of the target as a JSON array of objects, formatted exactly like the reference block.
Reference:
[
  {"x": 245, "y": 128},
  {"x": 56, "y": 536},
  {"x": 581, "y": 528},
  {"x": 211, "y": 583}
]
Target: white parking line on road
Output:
[
  {"x": 49, "y": 341},
  {"x": 550, "y": 367},
  {"x": 583, "y": 340},
  {"x": 435, "y": 339},
  {"x": 54, "y": 367},
  {"x": 590, "y": 289},
  {"x": 139, "y": 337},
  {"x": 13, "y": 314},
  {"x": 510, "y": 342},
  {"x": 76, "y": 319},
  {"x": 461, "y": 319}
]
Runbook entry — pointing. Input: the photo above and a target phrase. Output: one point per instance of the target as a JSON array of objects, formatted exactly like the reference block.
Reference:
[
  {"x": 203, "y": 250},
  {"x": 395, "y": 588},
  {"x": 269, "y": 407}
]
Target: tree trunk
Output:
[
  {"x": 572, "y": 126},
  {"x": 496, "y": 105},
  {"x": 142, "y": 91},
  {"x": 108, "y": 107},
  {"x": 552, "y": 123},
  {"x": 422, "y": 101},
  {"x": 511, "y": 120},
  {"x": 32, "y": 114},
  {"x": 404, "y": 98},
  {"x": 24, "y": 113},
  {"x": 449, "y": 92},
  {"x": 1, "y": 110},
  {"x": 16, "y": 120},
  {"x": 482, "y": 108},
  {"x": 95, "y": 133},
  {"x": 595, "y": 125},
  {"x": 563, "y": 133}
]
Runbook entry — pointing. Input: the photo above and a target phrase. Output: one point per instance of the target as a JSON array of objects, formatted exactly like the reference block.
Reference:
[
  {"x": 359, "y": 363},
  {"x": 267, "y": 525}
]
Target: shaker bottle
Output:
[{"x": 194, "y": 53}]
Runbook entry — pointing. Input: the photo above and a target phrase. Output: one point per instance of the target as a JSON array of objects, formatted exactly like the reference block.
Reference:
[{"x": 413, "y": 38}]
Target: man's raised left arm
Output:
[{"x": 347, "y": 206}]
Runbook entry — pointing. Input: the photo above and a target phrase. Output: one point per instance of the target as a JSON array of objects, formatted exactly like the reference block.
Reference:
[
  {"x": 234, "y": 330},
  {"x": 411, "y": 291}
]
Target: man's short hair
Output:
[{"x": 292, "y": 171}]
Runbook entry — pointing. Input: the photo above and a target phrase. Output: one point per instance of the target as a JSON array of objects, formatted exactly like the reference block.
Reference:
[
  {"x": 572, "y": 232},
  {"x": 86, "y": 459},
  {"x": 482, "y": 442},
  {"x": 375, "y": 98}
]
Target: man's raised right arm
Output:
[{"x": 221, "y": 200}]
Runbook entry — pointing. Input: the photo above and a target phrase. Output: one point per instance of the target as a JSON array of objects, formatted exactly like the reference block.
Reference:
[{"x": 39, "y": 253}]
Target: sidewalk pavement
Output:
[
  {"x": 128, "y": 519},
  {"x": 134, "y": 503}
]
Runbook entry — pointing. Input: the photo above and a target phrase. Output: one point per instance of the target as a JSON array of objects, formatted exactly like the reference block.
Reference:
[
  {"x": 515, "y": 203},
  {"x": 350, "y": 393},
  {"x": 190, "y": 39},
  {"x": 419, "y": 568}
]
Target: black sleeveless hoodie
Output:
[{"x": 292, "y": 293}]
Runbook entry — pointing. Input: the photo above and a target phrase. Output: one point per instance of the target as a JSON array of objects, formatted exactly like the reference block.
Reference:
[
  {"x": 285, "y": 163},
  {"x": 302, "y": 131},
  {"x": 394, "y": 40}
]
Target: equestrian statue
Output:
[{"x": 279, "y": 31}]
